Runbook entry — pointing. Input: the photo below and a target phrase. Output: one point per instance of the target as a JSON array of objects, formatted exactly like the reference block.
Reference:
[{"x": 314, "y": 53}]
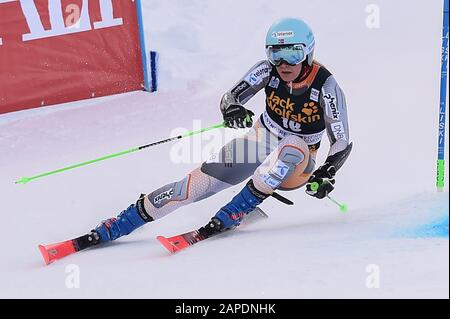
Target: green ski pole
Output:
[
  {"x": 342, "y": 206},
  {"x": 25, "y": 180}
]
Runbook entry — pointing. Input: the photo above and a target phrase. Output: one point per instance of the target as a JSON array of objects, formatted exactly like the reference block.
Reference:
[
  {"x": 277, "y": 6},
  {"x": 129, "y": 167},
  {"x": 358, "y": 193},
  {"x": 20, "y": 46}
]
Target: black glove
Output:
[
  {"x": 237, "y": 116},
  {"x": 321, "y": 181}
]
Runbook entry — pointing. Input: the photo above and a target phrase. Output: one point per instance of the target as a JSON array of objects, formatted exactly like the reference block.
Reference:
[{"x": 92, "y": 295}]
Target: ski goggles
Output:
[{"x": 292, "y": 54}]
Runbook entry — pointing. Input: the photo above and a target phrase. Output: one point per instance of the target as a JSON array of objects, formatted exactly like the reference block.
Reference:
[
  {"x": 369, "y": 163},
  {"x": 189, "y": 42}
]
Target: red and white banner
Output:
[{"x": 55, "y": 51}]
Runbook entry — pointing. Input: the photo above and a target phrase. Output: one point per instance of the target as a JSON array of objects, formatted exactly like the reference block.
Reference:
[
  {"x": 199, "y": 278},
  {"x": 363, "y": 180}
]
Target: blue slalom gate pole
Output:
[
  {"x": 143, "y": 45},
  {"x": 443, "y": 100}
]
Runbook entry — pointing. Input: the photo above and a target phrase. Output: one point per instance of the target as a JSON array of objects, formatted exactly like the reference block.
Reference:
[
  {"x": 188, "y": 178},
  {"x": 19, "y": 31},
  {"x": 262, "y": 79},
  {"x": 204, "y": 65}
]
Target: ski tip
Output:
[
  {"x": 166, "y": 243},
  {"x": 176, "y": 243},
  {"x": 44, "y": 254},
  {"x": 53, "y": 252}
]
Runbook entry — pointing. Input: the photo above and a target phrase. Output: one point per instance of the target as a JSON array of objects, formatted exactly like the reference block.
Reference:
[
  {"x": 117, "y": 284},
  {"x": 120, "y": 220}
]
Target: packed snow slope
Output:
[{"x": 392, "y": 243}]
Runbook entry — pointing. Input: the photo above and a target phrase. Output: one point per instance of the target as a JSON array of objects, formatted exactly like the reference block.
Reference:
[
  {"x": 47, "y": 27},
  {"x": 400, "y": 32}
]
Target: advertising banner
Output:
[{"x": 56, "y": 51}]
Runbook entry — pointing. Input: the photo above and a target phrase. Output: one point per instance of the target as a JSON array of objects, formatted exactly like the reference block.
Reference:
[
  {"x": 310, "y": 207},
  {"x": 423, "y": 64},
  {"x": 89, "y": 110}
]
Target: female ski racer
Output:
[{"x": 303, "y": 100}]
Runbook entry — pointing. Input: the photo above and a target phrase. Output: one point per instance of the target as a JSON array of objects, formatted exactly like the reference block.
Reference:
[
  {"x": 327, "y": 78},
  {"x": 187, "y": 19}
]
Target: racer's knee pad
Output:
[{"x": 292, "y": 155}]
